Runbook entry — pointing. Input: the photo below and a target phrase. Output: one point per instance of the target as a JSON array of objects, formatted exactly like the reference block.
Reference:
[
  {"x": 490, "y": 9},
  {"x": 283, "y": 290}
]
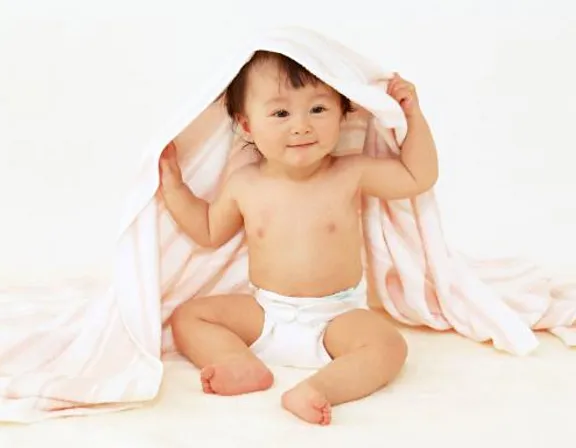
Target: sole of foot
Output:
[{"x": 236, "y": 377}]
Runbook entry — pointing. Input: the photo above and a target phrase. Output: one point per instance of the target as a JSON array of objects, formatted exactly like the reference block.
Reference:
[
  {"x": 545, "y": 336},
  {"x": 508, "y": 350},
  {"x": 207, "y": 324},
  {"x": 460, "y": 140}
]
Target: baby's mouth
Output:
[{"x": 302, "y": 145}]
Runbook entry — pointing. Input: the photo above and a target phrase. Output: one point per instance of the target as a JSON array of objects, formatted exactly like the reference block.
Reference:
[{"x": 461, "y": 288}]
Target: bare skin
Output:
[{"x": 299, "y": 208}]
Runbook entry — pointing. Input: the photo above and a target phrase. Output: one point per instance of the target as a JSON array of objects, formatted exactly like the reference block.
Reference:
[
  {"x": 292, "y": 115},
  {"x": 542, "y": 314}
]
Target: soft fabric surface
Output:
[
  {"x": 65, "y": 358},
  {"x": 453, "y": 393}
]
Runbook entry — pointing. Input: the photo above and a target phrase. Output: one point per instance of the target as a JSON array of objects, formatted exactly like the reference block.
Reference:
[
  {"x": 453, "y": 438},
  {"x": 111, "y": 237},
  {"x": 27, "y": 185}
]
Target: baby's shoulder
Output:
[
  {"x": 244, "y": 173},
  {"x": 349, "y": 165},
  {"x": 241, "y": 177}
]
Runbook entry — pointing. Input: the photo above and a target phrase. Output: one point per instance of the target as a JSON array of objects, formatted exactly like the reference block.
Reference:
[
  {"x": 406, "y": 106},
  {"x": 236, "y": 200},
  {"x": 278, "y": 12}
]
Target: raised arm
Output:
[
  {"x": 209, "y": 225},
  {"x": 416, "y": 170}
]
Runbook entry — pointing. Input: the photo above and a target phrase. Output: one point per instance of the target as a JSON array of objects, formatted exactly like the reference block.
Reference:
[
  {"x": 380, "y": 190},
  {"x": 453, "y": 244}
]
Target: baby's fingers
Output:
[
  {"x": 392, "y": 84},
  {"x": 165, "y": 168},
  {"x": 169, "y": 150},
  {"x": 403, "y": 93}
]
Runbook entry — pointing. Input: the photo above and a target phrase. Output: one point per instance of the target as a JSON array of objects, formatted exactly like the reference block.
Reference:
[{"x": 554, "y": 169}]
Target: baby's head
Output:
[{"x": 290, "y": 116}]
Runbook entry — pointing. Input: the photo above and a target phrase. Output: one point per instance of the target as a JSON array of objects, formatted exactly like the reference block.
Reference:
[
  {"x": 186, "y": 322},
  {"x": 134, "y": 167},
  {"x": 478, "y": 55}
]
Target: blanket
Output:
[{"x": 69, "y": 357}]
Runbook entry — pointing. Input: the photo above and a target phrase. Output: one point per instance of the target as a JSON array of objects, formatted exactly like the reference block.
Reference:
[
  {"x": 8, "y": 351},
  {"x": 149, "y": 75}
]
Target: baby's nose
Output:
[{"x": 301, "y": 126}]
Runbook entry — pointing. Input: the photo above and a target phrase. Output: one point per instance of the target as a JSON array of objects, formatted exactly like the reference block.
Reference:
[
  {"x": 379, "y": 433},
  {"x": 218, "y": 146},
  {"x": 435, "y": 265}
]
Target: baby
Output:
[{"x": 299, "y": 208}]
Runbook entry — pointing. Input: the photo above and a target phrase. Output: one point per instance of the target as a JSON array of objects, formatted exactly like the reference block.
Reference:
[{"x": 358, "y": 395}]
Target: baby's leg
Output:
[
  {"x": 215, "y": 333},
  {"x": 368, "y": 353}
]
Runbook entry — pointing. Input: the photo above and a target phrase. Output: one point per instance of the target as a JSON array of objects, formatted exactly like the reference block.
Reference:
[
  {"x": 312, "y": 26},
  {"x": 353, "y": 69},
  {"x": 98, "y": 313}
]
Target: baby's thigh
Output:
[
  {"x": 360, "y": 328},
  {"x": 239, "y": 313}
]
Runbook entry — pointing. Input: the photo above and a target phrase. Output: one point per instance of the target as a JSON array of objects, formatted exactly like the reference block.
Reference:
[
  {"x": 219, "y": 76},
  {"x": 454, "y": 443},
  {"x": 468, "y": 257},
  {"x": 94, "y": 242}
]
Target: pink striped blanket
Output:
[{"x": 103, "y": 354}]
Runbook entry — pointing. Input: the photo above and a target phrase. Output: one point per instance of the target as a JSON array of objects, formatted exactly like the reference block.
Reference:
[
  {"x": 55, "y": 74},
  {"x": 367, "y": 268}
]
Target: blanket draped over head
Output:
[{"x": 105, "y": 353}]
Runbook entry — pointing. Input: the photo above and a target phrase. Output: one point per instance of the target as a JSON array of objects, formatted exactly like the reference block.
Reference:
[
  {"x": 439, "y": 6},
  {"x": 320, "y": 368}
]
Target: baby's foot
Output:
[
  {"x": 239, "y": 376},
  {"x": 307, "y": 403}
]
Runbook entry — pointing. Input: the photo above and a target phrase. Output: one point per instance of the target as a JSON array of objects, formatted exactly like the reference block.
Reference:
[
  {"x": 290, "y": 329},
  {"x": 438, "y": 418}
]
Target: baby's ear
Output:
[{"x": 243, "y": 122}]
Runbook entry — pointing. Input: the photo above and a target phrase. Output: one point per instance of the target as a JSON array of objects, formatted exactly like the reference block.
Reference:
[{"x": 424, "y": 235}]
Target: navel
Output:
[{"x": 331, "y": 227}]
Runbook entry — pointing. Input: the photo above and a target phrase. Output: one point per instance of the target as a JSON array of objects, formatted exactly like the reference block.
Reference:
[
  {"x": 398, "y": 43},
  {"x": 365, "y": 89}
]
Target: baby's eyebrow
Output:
[
  {"x": 322, "y": 96},
  {"x": 276, "y": 99},
  {"x": 280, "y": 99}
]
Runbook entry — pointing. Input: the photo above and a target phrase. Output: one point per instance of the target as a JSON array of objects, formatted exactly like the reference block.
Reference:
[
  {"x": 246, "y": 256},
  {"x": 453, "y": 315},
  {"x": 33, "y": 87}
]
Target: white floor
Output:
[{"x": 453, "y": 393}]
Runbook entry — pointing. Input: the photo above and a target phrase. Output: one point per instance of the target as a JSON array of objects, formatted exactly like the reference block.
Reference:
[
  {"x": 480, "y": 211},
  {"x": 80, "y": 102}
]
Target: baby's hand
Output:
[
  {"x": 170, "y": 173},
  {"x": 405, "y": 93}
]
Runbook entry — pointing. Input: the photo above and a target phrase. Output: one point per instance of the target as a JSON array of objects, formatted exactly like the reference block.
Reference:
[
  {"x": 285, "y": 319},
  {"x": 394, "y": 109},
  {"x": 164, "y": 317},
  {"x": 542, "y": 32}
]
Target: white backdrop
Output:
[{"x": 84, "y": 84}]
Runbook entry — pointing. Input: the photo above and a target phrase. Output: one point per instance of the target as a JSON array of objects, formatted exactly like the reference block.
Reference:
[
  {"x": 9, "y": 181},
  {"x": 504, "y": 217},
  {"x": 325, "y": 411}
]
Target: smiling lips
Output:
[{"x": 302, "y": 145}]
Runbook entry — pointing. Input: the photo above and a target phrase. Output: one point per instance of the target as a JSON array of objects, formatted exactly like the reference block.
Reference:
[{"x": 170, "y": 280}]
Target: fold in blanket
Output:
[{"x": 103, "y": 354}]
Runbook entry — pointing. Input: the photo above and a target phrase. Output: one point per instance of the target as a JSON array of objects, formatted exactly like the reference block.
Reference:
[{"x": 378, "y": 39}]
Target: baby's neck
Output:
[{"x": 300, "y": 174}]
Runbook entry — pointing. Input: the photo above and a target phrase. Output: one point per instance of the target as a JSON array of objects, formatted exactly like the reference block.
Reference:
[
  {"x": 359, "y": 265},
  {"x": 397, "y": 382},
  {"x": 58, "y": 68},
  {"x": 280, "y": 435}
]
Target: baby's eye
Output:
[
  {"x": 281, "y": 113},
  {"x": 318, "y": 109}
]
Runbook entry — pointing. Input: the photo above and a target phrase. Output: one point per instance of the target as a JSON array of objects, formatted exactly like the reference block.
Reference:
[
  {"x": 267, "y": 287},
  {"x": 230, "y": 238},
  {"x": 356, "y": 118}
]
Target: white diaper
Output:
[{"x": 293, "y": 332}]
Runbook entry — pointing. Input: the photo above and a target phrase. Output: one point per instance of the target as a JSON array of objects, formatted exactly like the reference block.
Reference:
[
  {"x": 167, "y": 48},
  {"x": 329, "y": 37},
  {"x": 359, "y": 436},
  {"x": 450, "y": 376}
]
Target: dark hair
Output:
[{"x": 297, "y": 75}]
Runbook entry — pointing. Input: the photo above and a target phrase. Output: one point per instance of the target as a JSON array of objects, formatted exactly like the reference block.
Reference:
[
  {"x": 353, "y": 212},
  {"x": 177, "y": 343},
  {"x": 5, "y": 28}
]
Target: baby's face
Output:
[{"x": 293, "y": 127}]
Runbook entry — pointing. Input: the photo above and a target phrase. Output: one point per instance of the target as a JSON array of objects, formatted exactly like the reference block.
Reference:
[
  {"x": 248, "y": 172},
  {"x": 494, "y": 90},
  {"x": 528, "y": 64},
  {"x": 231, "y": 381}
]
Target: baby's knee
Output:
[
  {"x": 184, "y": 315},
  {"x": 391, "y": 348}
]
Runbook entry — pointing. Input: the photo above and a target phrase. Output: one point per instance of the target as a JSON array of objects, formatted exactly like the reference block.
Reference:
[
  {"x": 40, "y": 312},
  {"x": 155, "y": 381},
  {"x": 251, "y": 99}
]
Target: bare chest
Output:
[{"x": 308, "y": 211}]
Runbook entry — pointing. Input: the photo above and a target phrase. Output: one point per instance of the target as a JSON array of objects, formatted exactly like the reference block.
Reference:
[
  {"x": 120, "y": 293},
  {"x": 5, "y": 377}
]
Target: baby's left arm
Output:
[{"x": 416, "y": 171}]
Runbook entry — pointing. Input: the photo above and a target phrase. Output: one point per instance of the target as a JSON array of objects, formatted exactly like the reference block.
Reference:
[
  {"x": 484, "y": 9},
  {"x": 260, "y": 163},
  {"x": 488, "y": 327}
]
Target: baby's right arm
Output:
[{"x": 209, "y": 225}]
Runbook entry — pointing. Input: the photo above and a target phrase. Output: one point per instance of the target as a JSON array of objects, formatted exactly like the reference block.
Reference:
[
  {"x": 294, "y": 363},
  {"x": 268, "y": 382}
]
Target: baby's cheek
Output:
[{"x": 331, "y": 133}]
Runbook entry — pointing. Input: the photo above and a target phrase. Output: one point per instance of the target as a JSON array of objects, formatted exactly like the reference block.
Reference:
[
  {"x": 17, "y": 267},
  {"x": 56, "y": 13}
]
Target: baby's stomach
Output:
[{"x": 315, "y": 266}]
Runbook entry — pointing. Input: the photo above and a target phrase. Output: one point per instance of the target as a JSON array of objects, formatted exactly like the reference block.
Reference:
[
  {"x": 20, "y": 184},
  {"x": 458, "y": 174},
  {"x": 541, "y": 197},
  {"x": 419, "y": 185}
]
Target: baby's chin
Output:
[
  {"x": 305, "y": 161},
  {"x": 297, "y": 155}
]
